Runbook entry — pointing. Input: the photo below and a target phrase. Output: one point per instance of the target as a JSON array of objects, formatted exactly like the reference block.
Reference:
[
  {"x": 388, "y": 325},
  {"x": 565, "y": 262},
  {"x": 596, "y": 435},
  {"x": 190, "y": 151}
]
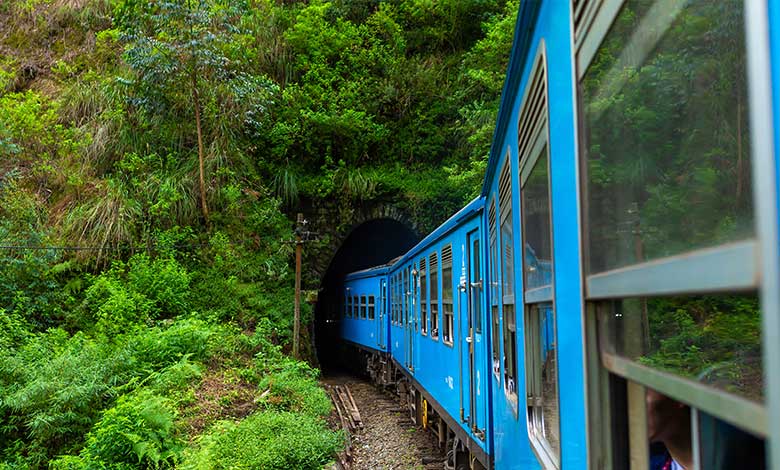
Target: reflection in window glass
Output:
[
  {"x": 476, "y": 305},
  {"x": 493, "y": 262},
  {"x": 542, "y": 374},
  {"x": 434, "y": 267},
  {"x": 446, "y": 293},
  {"x": 537, "y": 256},
  {"x": 423, "y": 298},
  {"x": 668, "y": 143},
  {"x": 711, "y": 339}
]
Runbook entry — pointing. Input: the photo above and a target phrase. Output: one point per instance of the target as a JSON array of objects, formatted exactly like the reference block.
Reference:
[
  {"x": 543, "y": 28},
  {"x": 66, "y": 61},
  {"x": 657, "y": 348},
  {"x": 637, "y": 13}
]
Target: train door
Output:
[
  {"x": 475, "y": 340},
  {"x": 380, "y": 324},
  {"x": 408, "y": 304}
]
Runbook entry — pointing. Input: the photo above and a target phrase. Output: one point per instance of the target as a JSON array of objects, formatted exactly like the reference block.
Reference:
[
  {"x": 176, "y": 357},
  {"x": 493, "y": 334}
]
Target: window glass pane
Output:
[
  {"x": 423, "y": 298},
  {"x": 446, "y": 295},
  {"x": 476, "y": 301},
  {"x": 667, "y": 134},
  {"x": 724, "y": 446},
  {"x": 537, "y": 256},
  {"x": 542, "y": 375},
  {"x": 714, "y": 339}
]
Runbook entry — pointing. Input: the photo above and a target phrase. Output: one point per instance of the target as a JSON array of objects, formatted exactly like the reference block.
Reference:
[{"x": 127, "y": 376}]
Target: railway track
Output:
[{"x": 379, "y": 433}]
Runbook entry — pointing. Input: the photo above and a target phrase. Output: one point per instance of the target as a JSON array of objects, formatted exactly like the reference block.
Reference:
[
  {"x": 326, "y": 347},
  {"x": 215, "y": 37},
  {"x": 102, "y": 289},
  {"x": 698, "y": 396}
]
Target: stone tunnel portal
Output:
[{"x": 371, "y": 243}]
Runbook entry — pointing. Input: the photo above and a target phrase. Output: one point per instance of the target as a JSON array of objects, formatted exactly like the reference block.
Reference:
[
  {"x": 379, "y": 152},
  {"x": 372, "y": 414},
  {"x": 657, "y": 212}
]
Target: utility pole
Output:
[{"x": 301, "y": 236}]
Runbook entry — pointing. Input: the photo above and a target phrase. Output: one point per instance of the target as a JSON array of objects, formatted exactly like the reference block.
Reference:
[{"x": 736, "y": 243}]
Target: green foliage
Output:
[
  {"x": 163, "y": 281},
  {"x": 268, "y": 440},
  {"x": 714, "y": 339},
  {"x": 349, "y": 102},
  {"x": 293, "y": 387},
  {"x": 137, "y": 432}
]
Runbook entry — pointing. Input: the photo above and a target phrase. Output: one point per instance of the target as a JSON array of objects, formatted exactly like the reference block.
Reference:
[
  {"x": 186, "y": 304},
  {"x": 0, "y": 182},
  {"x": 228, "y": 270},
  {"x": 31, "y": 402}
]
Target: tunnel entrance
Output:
[{"x": 370, "y": 244}]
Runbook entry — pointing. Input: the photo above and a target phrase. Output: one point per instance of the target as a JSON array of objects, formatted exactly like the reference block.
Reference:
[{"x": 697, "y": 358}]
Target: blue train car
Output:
[
  {"x": 364, "y": 309},
  {"x": 612, "y": 298},
  {"x": 438, "y": 329}
]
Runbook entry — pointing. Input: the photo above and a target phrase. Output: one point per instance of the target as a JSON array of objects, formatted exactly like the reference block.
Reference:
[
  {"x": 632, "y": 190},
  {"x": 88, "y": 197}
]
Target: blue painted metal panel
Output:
[
  {"x": 512, "y": 448},
  {"x": 369, "y": 332},
  {"x": 441, "y": 368}
]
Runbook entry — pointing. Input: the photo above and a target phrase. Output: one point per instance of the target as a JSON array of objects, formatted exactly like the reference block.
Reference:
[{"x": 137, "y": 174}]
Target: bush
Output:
[
  {"x": 114, "y": 308},
  {"x": 269, "y": 440},
  {"x": 138, "y": 432},
  {"x": 164, "y": 281},
  {"x": 52, "y": 389},
  {"x": 294, "y": 388},
  {"x": 157, "y": 347}
]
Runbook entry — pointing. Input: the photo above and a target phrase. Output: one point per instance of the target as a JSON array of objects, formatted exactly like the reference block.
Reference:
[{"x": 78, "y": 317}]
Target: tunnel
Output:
[{"x": 372, "y": 243}]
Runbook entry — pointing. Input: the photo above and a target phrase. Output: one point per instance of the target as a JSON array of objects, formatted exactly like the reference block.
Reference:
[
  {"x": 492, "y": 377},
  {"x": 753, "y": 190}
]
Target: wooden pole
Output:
[{"x": 297, "y": 321}]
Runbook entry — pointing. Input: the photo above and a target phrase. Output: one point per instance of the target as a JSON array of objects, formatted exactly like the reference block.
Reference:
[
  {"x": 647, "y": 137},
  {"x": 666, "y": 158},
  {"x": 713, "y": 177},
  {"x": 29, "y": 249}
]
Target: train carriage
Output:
[
  {"x": 622, "y": 257},
  {"x": 364, "y": 309},
  {"x": 437, "y": 328}
]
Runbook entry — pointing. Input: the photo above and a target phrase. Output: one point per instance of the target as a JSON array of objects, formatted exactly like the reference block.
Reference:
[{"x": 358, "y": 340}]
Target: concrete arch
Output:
[{"x": 368, "y": 238}]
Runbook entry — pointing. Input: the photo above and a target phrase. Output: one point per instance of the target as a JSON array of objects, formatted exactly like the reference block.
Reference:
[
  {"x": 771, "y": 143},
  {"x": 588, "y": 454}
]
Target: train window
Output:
[
  {"x": 475, "y": 303},
  {"x": 433, "y": 262},
  {"x": 712, "y": 339},
  {"x": 542, "y": 376},
  {"x": 371, "y": 307},
  {"x": 672, "y": 279},
  {"x": 494, "y": 322},
  {"x": 355, "y": 307},
  {"x": 508, "y": 277},
  {"x": 668, "y": 143},
  {"x": 363, "y": 307},
  {"x": 665, "y": 432},
  {"x": 396, "y": 302},
  {"x": 404, "y": 297},
  {"x": 446, "y": 295},
  {"x": 541, "y": 358},
  {"x": 423, "y": 299}
]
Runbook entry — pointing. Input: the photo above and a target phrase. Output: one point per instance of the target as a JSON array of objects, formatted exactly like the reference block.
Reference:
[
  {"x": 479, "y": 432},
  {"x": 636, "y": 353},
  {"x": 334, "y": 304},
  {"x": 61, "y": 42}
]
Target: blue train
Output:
[{"x": 611, "y": 300}]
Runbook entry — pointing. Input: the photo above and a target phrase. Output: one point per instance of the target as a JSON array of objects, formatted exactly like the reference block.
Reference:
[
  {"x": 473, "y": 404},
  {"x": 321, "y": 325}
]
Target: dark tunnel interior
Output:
[{"x": 370, "y": 244}]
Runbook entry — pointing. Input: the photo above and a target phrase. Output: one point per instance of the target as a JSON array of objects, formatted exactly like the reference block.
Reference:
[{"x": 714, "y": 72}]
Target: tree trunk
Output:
[{"x": 201, "y": 165}]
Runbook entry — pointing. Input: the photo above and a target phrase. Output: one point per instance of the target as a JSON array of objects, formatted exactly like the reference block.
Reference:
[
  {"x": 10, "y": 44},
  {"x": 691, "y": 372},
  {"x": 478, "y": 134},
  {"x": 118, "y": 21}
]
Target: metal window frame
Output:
[
  {"x": 757, "y": 267},
  {"x": 697, "y": 271},
  {"x": 503, "y": 217},
  {"x": 533, "y": 297},
  {"x": 433, "y": 313},
  {"x": 734, "y": 409},
  {"x": 451, "y": 301},
  {"x": 765, "y": 200}
]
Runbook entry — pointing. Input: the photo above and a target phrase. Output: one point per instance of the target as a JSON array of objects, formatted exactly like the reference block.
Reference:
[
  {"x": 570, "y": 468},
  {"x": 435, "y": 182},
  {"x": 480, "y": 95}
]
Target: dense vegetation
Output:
[{"x": 159, "y": 146}]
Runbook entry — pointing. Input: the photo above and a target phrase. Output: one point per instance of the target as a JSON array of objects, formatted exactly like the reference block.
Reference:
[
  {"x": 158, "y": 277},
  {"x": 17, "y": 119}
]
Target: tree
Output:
[{"x": 176, "y": 50}]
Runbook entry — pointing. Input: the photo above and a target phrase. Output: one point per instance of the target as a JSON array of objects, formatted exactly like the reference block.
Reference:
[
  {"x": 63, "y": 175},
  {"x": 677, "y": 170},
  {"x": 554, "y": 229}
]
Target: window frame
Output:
[
  {"x": 371, "y": 307},
  {"x": 753, "y": 262},
  {"x": 533, "y": 144},
  {"x": 448, "y": 319},
  {"x": 434, "y": 281},
  {"x": 495, "y": 289},
  {"x": 423, "y": 282},
  {"x": 508, "y": 279}
]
